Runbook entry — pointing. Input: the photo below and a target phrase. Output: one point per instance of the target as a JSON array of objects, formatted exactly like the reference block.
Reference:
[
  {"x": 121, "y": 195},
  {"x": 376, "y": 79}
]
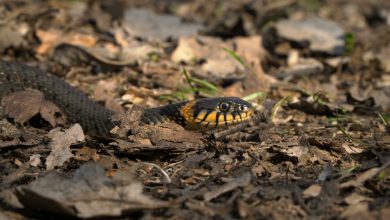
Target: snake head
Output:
[{"x": 210, "y": 113}]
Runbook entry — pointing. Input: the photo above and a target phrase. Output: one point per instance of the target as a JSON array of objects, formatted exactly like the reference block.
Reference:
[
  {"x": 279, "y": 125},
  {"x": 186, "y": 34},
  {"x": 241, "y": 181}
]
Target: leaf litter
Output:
[
  {"x": 89, "y": 193},
  {"x": 315, "y": 72}
]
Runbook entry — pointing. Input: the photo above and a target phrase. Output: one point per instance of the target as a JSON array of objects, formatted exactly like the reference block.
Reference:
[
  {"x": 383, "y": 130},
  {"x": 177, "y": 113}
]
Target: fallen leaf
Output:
[
  {"x": 104, "y": 91},
  {"x": 312, "y": 191},
  {"x": 304, "y": 67},
  {"x": 85, "y": 40},
  {"x": 147, "y": 24},
  {"x": 240, "y": 181},
  {"x": 86, "y": 154},
  {"x": 383, "y": 56},
  {"x": 88, "y": 194},
  {"x": 53, "y": 37},
  {"x": 48, "y": 38},
  {"x": 11, "y": 37},
  {"x": 60, "y": 145},
  {"x": 324, "y": 35},
  {"x": 164, "y": 74},
  {"x": 355, "y": 211},
  {"x": 385, "y": 213},
  {"x": 23, "y": 105},
  {"x": 363, "y": 177},
  {"x": 35, "y": 160},
  {"x": 216, "y": 65},
  {"x": 356, "y": 198}
]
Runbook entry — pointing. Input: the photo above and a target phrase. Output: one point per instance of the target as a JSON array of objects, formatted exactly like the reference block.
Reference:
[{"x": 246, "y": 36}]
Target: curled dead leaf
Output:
[{"x": 23, "y": 105}]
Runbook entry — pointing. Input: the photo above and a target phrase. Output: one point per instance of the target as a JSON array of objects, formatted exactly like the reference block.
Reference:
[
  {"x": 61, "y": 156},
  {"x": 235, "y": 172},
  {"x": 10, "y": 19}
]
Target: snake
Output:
[{"x": 199, "y": 114}]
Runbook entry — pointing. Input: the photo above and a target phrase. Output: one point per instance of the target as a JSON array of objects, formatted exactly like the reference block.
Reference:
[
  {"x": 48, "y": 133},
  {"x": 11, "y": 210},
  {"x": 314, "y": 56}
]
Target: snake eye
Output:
[{"x": 224, "y": 106}]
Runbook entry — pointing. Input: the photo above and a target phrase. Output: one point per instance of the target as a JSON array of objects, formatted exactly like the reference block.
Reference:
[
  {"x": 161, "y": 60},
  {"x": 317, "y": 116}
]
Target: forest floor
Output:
[{"x": 318, "y": 71}]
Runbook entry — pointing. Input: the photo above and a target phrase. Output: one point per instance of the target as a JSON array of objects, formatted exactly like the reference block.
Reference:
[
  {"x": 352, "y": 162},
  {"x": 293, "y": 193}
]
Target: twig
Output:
[{"x": 167, "y": 178}]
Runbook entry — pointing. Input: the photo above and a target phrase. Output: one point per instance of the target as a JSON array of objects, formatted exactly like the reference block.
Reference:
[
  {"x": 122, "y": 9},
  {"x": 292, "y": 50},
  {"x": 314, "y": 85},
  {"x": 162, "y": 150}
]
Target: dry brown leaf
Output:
[
  {"x": 53, "y": 37},
  {"x": 23, "y": 105},
  {"x": 363, "y": 177},
  {"x": 89, "y": 194},
  {"x": 240, "y": 181},
  {"x": 84, "y": 40},
  {"x": 218, "y": 63},
  {"x": 104, "y": 91},
  {"x": 9, "y": 37},
  {"x": 49, "y": 112},
  {"x": 48, "y": 38},
  {"x": 356, "y": 198},
  {"x": 385, "y": 213},
  {"x": 86, "y": 154},
  {"x": 312, "y": 191},
  {"x": 164, "y": 74},
  {"x": 356, "y": 210}
]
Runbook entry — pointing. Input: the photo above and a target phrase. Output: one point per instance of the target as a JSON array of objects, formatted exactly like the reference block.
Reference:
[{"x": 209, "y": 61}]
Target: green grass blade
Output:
[
  {"x": 255, "y": 95},
  {"x": 236, "y": 57}
]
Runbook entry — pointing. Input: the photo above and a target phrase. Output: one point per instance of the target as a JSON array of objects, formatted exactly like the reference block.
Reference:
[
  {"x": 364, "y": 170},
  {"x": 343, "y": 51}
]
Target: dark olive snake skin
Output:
[
  {"x": 95, "y": 119},
  {"x": 77, "y": 106}
]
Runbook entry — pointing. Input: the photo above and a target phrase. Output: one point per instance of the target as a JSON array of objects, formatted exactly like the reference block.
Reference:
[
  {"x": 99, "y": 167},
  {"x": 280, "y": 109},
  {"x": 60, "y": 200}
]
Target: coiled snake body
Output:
[{"x": 200, "y": 113}]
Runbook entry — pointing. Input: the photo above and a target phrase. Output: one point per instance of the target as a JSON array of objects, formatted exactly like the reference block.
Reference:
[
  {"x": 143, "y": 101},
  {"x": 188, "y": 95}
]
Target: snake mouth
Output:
[{"x": 216, "y": 119}]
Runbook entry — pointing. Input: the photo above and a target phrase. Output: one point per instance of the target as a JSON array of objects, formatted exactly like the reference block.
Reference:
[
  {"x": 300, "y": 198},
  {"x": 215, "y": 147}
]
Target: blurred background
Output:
[{"x": 339, "y": 49}]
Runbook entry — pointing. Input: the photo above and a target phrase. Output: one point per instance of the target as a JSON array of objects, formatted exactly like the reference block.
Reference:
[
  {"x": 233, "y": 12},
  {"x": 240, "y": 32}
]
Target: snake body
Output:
[{"x": 207, "y": 113}]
